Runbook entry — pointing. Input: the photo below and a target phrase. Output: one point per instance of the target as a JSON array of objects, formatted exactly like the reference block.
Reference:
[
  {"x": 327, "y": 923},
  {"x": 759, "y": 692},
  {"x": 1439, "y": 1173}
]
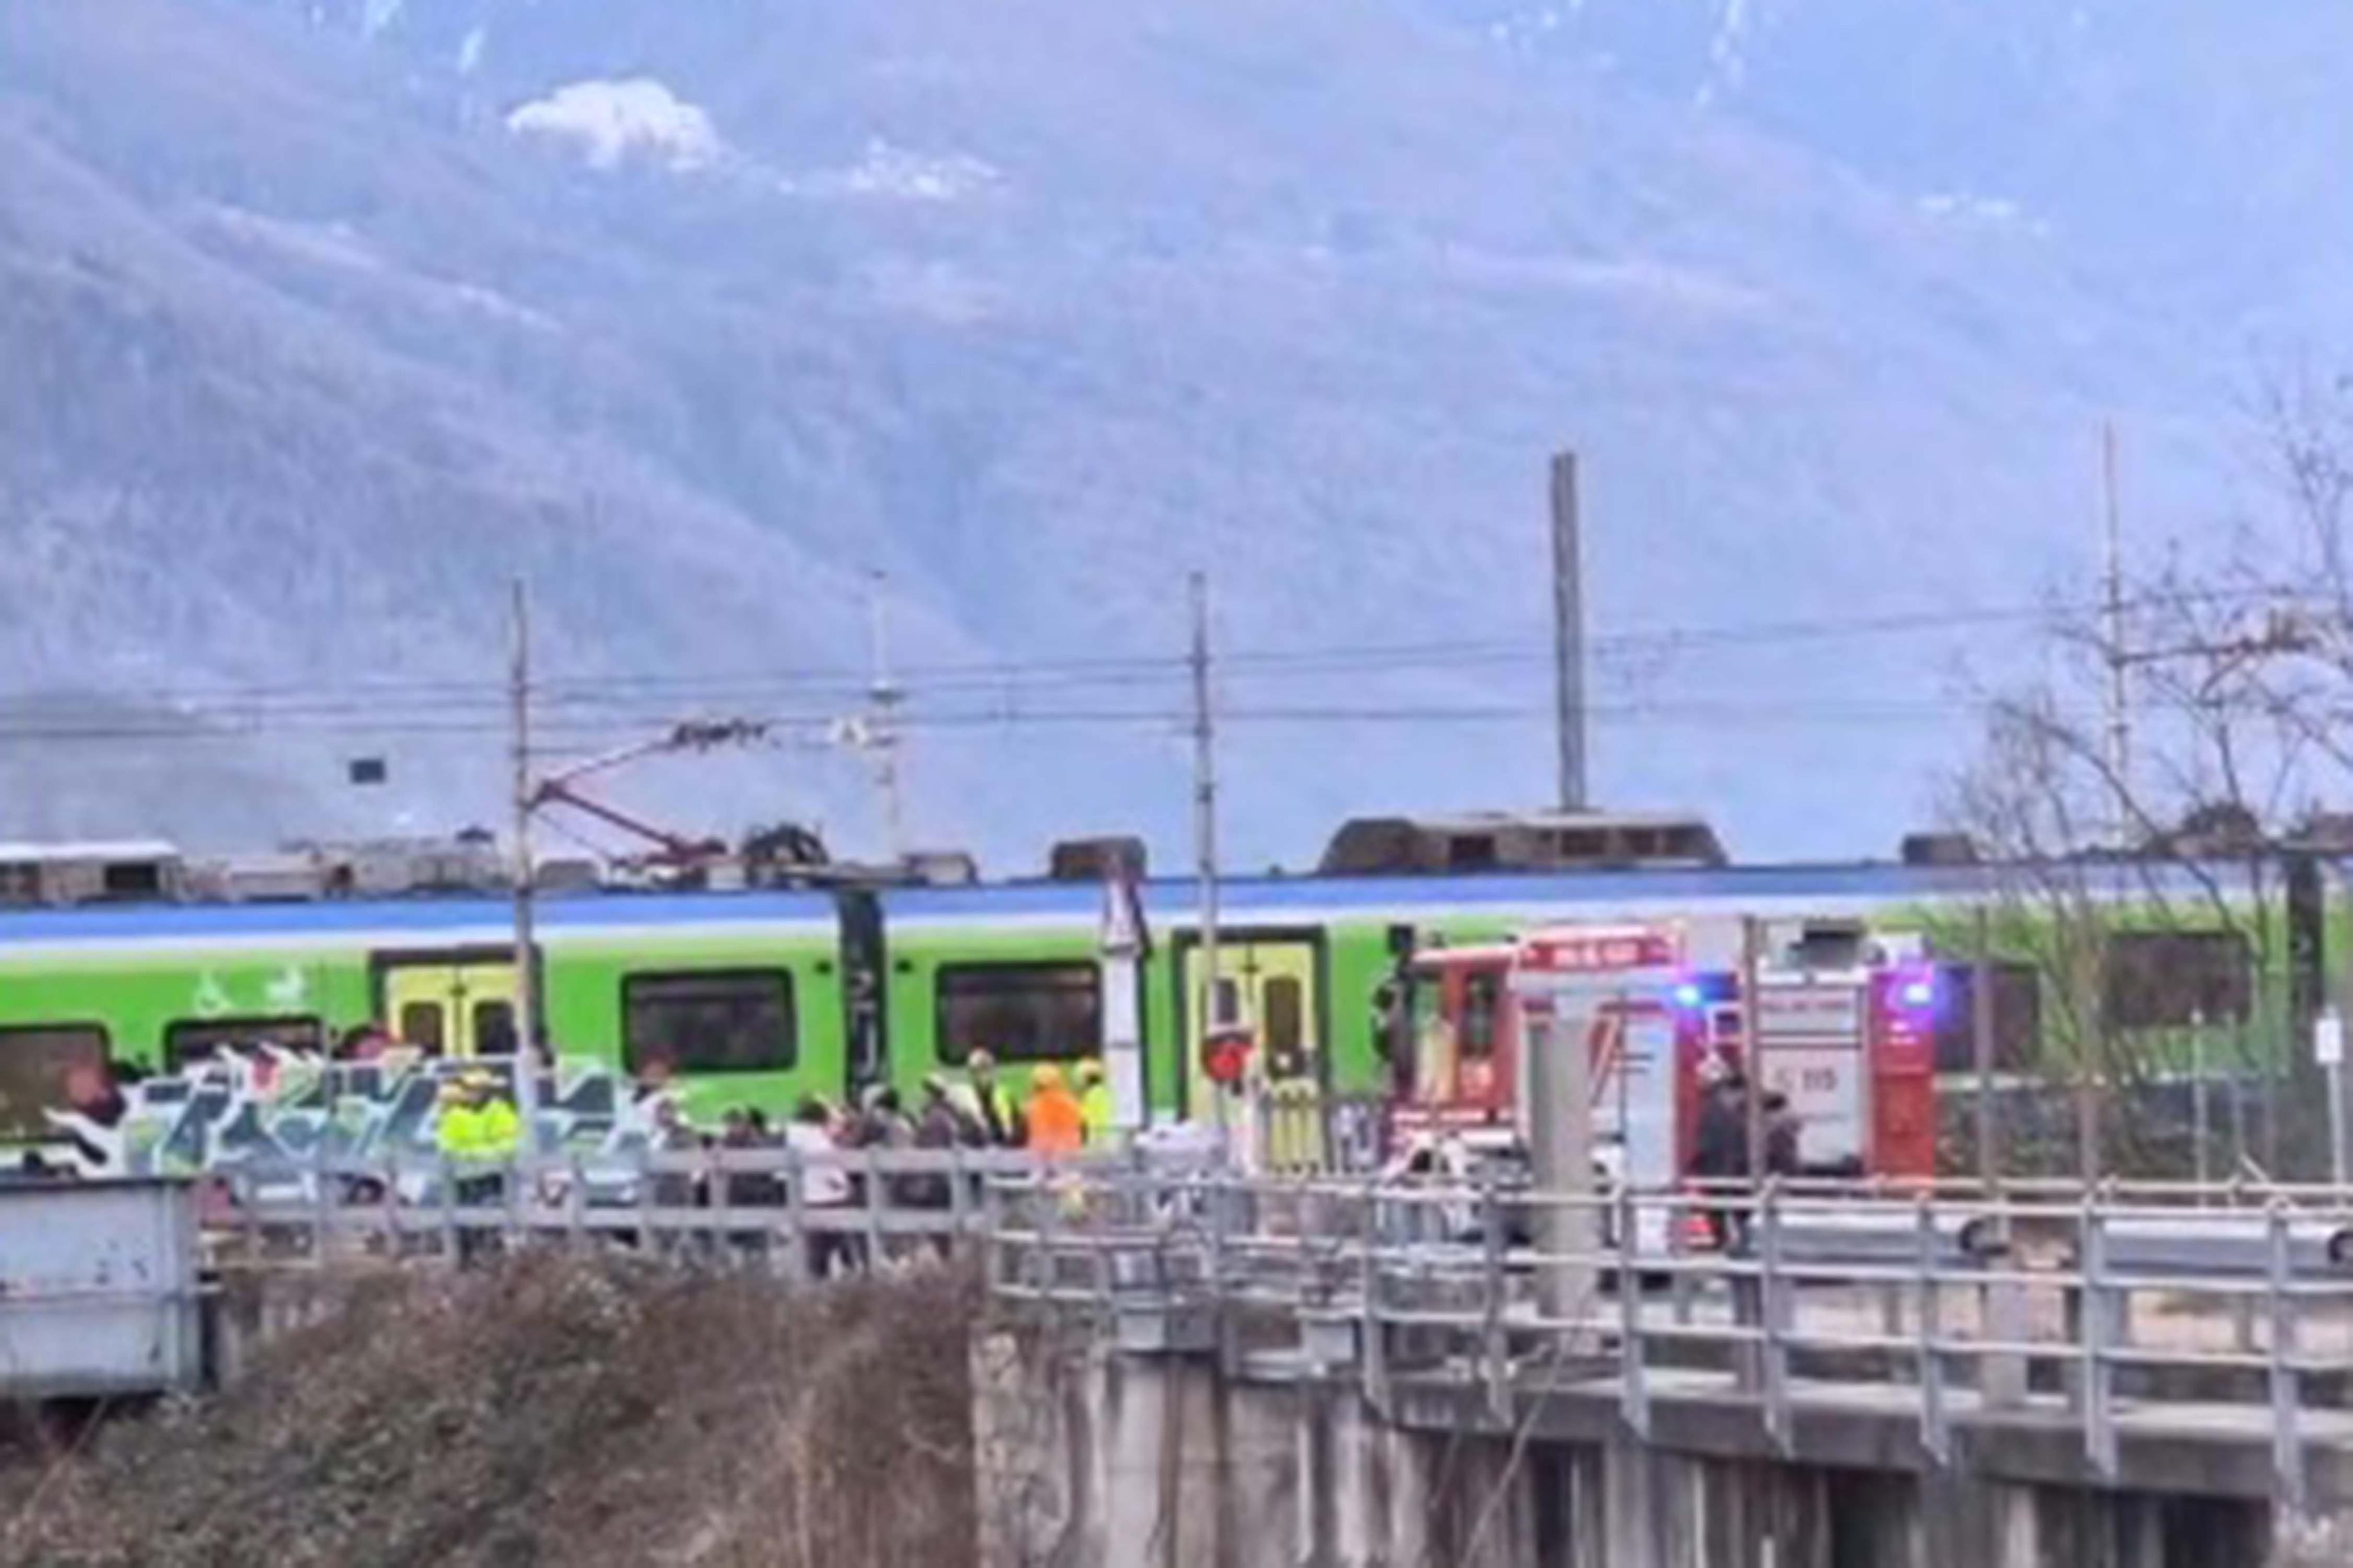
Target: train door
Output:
[
  {"x": 456, "y": 1005},
  {"x": 1267, "y": 986}
]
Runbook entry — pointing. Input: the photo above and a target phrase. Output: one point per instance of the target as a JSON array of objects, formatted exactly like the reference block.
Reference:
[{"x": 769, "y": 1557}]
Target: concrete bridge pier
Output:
[{"x": 1090, "y": 1458}]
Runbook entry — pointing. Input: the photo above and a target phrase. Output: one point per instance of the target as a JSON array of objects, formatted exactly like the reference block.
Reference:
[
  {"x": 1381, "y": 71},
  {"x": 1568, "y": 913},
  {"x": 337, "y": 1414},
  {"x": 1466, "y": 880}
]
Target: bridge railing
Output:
[
  {"x": 2097, "y": 1307},
  {"x": 777, "y": 1209}
]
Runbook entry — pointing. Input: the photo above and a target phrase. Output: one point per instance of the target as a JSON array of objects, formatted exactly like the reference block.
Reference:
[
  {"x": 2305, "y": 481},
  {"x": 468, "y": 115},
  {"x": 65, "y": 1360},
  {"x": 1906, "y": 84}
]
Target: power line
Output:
[
  {"x": 808, "y": 728},
  {"x": 1026, "y": 692},
  {"x": 848, "y": 682}
]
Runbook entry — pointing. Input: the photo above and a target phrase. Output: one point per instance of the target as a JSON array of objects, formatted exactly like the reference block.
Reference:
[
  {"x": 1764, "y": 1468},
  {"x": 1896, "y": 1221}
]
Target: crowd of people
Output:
[{"x": 1058, "y": 1115}]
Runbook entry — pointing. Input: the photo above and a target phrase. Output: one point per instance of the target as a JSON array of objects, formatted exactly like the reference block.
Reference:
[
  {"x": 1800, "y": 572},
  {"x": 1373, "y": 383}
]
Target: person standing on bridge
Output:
[
  {"x": 479, "y": 1135},
  {"x": 1000, "y": 1113},
  {"x": 1720, "y": 1153},
  {"x": 1057, "y": 1126},
  {"x": 825, "y": 1186},
  {"x": 1783, "y": 1135},
  {"x": 1094, "y": 1103}
]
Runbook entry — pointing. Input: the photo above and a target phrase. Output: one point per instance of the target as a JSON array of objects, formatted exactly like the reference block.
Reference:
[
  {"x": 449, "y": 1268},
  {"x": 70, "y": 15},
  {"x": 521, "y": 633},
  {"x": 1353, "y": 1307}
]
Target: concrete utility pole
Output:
[
  {"x": 1205, "y": 813},
  {"x": 526, "y": 959},
  {"x": 1568, "y": 631},
  {"x": 1559, "y": 1065}
]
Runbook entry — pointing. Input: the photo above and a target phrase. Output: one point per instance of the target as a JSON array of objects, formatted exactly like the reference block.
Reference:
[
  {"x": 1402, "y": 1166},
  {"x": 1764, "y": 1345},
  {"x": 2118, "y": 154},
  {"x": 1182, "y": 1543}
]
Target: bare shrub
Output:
[{"x": 551, "y": 1412}]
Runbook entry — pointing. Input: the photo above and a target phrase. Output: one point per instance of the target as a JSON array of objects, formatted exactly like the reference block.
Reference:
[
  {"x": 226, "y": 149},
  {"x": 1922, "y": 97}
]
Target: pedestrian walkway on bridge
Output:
[{"x": 2119, "y": 1336}]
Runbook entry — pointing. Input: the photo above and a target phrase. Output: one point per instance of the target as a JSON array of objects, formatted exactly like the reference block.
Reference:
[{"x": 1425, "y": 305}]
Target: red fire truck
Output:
[{"x": 1846, "y": 1025}]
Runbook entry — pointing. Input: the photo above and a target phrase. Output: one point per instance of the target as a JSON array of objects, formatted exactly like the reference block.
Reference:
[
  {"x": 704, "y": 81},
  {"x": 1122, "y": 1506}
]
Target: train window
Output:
[
  {"x": 709, "y": 1020},
  {"x": 38, "y": 1066},
  {"x": 2017, "y": 1017},
  {"x": 20, "y": 882},
  {"x": 1577, "y": 844},
  {"x": 1284, "y": 1025},
  {"x": 494, "y": 1028},
  {"x": 1020, "y": 1011},
  {"x": 190, "y": 1040},
  {"x": 131, "y": 880},
  {"x": 1482, "y": 996},
  {"x": 420, "y": 1026},
  {"x": 1470, "y": 852},
  {"x": 1285, "y": 1022},
  {"x": 2167, "y": 979},
  {"x": 1229, "y": 1005}
]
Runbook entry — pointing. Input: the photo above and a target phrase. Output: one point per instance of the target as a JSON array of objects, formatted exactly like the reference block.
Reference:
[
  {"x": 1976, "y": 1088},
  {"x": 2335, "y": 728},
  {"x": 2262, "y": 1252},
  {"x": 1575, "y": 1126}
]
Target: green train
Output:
[{"x": 113, "y": 953}]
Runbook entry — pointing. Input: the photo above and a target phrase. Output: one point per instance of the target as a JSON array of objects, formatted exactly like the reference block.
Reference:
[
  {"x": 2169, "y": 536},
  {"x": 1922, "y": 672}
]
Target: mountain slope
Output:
[
  {"x": 1036, "y": 307},
  {"x": 2173, "y": 140}
]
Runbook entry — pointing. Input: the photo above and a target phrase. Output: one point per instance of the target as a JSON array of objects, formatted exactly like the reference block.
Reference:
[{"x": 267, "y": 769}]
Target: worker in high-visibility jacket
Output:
[
  {"x": 1000, "y": 1113},
  {"x": 1094, "y": 1103},
  {"x": 479, "y": 1135},
  {"x": 1055, "y": 1124}
]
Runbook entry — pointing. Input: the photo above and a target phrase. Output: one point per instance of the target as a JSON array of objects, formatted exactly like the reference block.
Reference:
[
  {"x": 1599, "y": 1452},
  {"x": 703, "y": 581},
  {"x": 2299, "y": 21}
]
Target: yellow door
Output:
[
  {"x": 1267, "y": 987},
  {"x": 452, "y": 1009}
]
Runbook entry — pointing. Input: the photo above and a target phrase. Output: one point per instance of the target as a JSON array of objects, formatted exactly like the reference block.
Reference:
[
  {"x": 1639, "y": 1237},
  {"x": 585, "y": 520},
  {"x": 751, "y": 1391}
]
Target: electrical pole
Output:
[
  {"x": 1569, "y": 632},
  {"x": 1205, "y": 815},
  {"x": 526, "y": 959},
  {"x": 884, "y": 697},
  {"x": 1981, "y": 1049},
  {"x": 2119, "y": 657},
  {"x": 1752, "y": 1042}
]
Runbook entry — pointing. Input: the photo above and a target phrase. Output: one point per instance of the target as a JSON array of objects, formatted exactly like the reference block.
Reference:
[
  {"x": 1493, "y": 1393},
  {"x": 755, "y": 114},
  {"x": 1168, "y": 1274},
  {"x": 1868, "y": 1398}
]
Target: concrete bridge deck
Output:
[{"x": 2123, "y": 1358}]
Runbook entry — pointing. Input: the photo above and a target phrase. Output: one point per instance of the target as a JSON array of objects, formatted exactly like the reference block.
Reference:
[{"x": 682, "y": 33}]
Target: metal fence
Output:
[
  {"x": 2174, "y": 1312},
  {"x": 777, "y": 1210},
  {"x": 1302, "y": 1131}
]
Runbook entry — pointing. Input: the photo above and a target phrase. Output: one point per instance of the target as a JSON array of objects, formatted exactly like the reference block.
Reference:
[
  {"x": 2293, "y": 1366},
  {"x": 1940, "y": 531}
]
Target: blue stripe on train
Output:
[
  {"x": 422, "y": 916},
  {"x": 1168, "y": 899}
]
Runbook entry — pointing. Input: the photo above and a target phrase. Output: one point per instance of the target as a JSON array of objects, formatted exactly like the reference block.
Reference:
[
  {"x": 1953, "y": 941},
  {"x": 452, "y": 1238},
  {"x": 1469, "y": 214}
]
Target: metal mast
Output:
[
  {"x": 2118, "y": 657},
  {"x": 883, "y": 698},
  {"x": 1569, "y": 632},
  {"x": 527, "y": 951},
  {"x": 1205, "y": 802}
]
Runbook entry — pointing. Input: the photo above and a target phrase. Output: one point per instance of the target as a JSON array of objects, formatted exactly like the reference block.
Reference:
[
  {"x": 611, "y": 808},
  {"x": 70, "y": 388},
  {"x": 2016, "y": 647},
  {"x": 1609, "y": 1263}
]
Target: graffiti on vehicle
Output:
[{"x": 270, "y": 1108}]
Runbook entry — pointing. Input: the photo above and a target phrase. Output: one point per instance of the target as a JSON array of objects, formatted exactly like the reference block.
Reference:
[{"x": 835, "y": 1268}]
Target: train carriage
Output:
[
  {"x": 757, "y": 997},
  {"x": 739, "y": 997}
]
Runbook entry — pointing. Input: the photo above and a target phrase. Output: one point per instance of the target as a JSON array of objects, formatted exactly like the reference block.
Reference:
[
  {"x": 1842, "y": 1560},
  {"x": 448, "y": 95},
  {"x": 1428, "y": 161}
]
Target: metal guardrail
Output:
[
  {"x": 758, "y": 1206},
  {"x": 1948, "y": 1302}
]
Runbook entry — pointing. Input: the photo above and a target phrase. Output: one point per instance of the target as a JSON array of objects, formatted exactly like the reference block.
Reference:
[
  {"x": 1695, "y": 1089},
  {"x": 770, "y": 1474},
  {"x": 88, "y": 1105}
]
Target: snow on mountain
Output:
[
  {"x": 898, "y": 174},
  {"x": 608, "y": 121},
  {"x": 2177, "y": 142}
]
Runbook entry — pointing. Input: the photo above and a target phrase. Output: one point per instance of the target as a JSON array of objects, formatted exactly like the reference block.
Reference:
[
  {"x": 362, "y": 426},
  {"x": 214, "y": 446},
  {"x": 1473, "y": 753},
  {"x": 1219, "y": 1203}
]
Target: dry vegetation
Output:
[{"x": 548, "y": 1412}]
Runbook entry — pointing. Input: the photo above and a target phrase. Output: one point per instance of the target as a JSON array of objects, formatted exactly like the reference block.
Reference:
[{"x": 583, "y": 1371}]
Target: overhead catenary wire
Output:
[
  {"x": 844, "y": 681},
  {"x": 1001, "y": 697},
  {"x": 1725, "y": 712}
]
